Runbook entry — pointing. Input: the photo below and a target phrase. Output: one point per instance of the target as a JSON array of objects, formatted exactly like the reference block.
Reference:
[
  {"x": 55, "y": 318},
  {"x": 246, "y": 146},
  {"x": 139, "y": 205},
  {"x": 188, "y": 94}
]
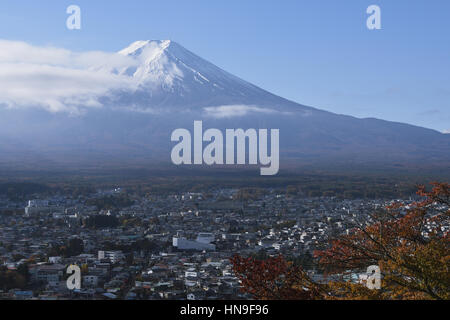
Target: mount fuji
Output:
[
  {"x": 169, "y": 76},
  {"x": 168, "y": 87}
]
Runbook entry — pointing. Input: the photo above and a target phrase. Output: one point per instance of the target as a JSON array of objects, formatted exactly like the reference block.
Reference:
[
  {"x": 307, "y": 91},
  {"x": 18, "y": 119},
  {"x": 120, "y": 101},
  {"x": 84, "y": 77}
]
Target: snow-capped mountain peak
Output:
[
  {"x": 169, "y": 75},
  {"x": 137, "y": 47},
  {"x": 152, "y": 63},
  {"x": 159, "y": 86}
]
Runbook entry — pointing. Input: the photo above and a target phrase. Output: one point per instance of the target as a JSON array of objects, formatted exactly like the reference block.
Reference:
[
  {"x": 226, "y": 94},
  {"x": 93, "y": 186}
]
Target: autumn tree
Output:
[
  {"x": 275, "y": 279},
  {"x": 410, "y": 244}
]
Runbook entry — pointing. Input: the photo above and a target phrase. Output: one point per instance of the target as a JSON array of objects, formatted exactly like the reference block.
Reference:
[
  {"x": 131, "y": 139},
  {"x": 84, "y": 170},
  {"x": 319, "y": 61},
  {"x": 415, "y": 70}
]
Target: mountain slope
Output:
[{"x": 173, "y": 88}]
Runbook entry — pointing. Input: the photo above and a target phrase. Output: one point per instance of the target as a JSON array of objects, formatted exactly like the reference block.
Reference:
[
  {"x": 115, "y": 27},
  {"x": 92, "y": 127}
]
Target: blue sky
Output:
[{"x": 317, "y": 53}]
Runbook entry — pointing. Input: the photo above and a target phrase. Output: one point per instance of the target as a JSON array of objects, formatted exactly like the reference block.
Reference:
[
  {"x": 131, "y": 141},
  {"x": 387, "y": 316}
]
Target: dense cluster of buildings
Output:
[{"x": 160, "y": 247}]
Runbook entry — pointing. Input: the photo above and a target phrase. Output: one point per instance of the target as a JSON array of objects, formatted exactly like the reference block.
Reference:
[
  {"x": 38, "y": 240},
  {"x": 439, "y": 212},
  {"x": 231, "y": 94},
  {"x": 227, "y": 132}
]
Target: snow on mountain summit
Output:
[
  {"x": 153, "y": 64},
  {"x": 163, "y": 61},
  {"x": 169, "y": 75},
  {"x": 137, "y": 47}
]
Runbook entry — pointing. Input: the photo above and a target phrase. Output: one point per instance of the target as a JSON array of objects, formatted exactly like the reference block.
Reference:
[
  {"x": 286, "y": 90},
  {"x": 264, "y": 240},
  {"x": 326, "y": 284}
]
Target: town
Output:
[{"x": 175, "y": 246}]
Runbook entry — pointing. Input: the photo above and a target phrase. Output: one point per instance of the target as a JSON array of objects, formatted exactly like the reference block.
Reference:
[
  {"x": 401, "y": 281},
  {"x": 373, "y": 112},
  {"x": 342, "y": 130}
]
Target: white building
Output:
[
  {"x": 54, "y": 260},
  {"x": 37, "y": 206},
  {"x": 206, "y": 238},
  {"x": 184, "y": 244},
  {"x": 113, "y": 256},
  {"x": 48, "y": 273},
  {"x": 41, "y": 206}
]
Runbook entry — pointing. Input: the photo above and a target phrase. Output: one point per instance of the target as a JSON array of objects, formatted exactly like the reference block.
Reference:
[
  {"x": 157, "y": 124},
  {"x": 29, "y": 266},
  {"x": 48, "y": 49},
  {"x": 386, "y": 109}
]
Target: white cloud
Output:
[
  {"x": 57, "y": 79},
  {"x": 231, "y": 111},
  {"x": 446, "y": 131},
  {"x": 22, "y": 52}
]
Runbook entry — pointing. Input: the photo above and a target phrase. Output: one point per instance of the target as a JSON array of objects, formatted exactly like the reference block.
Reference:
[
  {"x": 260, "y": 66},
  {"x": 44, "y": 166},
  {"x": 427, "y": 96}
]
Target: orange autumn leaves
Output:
[{"x": 409, "y": 244}]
